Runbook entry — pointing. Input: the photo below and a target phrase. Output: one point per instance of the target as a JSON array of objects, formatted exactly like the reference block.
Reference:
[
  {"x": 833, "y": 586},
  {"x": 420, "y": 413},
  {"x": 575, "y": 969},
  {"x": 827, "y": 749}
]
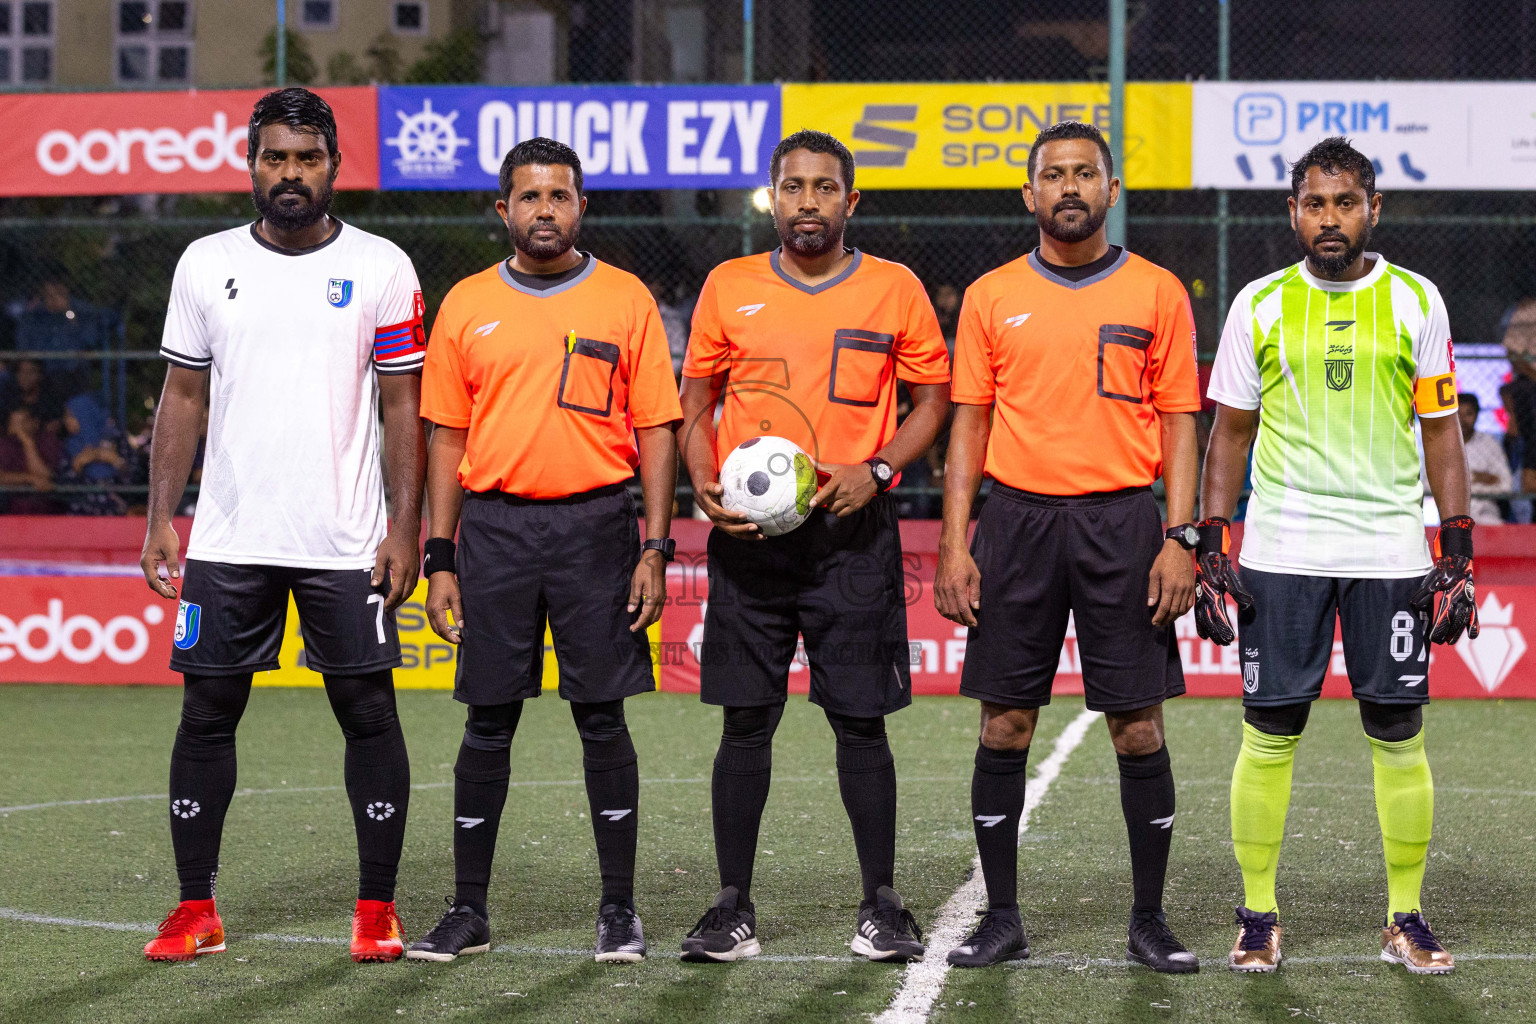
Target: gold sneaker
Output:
[
  {"x": 1257, "y": 948},
  {"x": 1407, "y": 940}
]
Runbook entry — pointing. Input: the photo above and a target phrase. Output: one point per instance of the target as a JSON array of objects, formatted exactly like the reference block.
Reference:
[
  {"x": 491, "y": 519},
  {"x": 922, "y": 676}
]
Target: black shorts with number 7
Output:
[{"x": 232, "y": 618}]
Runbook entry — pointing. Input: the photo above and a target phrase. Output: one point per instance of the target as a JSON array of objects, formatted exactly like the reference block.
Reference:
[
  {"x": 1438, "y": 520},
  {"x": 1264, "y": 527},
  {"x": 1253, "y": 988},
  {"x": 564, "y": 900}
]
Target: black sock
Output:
[
  {"x": 613, "y": 794},
  {"x": 866, "y": 777},
  {"x": 1146, "y": 798},
  {"x": 739, "y": 791},
  {"x": 377, "y": 774},
  {"x": 203, "y": 776},
  {"x": 997, "y": 800},
  {"x": 479, "y": 795}
]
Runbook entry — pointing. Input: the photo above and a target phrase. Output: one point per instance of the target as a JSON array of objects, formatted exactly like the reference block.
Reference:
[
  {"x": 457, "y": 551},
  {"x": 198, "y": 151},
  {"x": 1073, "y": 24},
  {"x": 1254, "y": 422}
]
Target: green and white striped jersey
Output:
[{"x": 1338, "y": 370}]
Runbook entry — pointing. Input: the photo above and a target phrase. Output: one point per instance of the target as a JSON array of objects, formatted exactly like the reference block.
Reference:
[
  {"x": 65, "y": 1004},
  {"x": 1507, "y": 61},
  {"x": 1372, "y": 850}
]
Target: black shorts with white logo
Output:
[
  {"x": 232, "y": 617},
  {"x": 1287, "y": 639},
  {"x": 1043, "y": 556},
  {"x": 836, "y": 582},
  {"x": 566, "y": 562}
]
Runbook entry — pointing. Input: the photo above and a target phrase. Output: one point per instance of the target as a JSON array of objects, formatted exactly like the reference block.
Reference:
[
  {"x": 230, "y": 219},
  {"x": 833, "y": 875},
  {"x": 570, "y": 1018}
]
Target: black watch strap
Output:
[
  {"x": 666, "y": 545},
  {"x": 1186, "y": 535},
  {"x": 882, "y": 472}
]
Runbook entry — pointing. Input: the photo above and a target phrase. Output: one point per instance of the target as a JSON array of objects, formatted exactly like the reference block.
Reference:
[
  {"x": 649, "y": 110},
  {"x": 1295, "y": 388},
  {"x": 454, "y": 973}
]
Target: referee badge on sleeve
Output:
[{"x": 339, "y": 292}]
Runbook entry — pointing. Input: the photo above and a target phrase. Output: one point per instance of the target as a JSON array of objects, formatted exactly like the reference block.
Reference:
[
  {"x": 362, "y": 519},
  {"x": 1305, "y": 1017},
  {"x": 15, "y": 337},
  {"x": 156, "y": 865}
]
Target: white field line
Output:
[
  {"x": 141, "y": 797},
  {"x": 924, "y": 981},
  {"x": 1064, "y": 961}
]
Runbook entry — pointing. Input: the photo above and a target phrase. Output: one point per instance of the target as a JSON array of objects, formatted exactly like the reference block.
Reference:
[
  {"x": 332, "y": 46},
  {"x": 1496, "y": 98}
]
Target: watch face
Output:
[
  {"x": 1191, "y": 536},
  {"x": 883, "y": 471}
]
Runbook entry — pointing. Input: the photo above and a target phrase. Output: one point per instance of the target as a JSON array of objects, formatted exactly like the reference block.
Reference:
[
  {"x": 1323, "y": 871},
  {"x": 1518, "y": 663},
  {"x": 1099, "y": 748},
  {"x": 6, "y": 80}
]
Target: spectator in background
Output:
[
  {"x": 1520, "y": 393},
  {"x": 28, "y": 455},
  {"x": 1485, "y": 461},
  {"x": 946, "y": 305},
  {"x": 92, "y": 456},
  {"x": 56, "y": 321},
  {"x": 675, "y": 317},
  {"x": 30, "y": 389}
]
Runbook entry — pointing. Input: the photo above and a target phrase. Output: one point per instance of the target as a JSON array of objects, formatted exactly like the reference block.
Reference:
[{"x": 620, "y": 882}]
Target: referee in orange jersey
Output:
[
  {"x": 1074, "y": 389},
  {"x": 549, "y": 380}
]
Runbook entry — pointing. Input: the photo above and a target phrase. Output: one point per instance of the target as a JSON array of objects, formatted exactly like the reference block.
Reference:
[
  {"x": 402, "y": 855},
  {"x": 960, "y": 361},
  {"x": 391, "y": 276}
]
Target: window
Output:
[
  {"x": 409, "y": 18},
  {"x": 26, "y": 42},
  {"x": 154, "y": 42},
  {"x": 318, "y": 14}
]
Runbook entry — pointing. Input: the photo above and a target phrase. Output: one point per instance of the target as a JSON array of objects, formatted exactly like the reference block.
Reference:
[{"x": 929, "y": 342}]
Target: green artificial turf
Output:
[{"x": 289, "y": 870}]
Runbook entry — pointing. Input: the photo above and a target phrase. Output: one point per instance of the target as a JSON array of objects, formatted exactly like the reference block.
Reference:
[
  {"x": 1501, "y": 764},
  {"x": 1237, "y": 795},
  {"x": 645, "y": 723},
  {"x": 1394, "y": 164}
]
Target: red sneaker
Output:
[
  {"x": 188, "y": 932},
  {"x": 376, "y": 932}
]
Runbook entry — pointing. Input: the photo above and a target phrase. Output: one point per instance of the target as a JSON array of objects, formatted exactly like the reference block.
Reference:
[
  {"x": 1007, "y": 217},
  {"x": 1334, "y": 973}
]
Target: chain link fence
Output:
[{"x": 114, "y": 257}]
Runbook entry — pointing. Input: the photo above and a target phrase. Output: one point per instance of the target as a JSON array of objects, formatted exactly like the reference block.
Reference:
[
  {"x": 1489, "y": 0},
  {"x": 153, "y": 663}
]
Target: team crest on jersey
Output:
[
  {"x": 1339, "y": 362},
  {"x": 339, "y": 292},
  {"x": 189, "y": 621}
]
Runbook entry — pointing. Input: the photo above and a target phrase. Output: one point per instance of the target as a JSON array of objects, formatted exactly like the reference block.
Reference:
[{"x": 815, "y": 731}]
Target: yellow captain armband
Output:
[{"x": 1433, "y": 395}]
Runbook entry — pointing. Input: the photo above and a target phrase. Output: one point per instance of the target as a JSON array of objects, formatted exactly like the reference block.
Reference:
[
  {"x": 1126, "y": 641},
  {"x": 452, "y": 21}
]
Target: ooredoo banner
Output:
[{"x": 82, "y": 144}]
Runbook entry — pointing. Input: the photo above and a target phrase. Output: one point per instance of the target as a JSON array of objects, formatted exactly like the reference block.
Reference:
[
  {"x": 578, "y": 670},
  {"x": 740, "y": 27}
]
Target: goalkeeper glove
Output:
[
  {"x": 1451, "y": 582},
  {"x": 1214, "y": 579}
]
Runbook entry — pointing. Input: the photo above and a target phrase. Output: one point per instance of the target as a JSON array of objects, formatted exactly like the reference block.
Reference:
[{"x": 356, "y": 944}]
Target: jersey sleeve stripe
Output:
[{"x": 190, "y": 362}]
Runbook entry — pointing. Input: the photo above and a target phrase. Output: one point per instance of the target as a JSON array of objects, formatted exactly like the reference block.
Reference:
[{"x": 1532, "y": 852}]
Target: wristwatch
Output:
[
  {"x": 666, "y": 545},
  {"x": 883, "y": 473},
  {"x": 1186, "y": 535}
]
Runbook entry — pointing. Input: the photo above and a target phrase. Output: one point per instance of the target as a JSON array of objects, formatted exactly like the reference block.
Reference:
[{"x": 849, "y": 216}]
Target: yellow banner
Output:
[
  {"x": 963, "y": 135},
  {"x": 428, "y": 658}
]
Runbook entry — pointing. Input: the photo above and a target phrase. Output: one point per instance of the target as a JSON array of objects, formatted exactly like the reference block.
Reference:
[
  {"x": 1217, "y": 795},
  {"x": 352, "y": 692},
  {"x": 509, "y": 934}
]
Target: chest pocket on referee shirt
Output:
[
  {"x": 1123, "y": 362},
  {"x": 586, "y": 379},
  {"x": 859, "y": 359}
]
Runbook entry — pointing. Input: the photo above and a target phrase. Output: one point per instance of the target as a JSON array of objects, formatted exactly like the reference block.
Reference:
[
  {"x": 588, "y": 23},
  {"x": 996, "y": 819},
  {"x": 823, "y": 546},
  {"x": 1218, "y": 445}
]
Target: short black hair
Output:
[
  {"x": 1468, "y": 398},
  {"x": 297, "y": 108},
  {"x": 538, "y": 150},
  {"x": 815, "y": 142},
  {"x": 1063, "y": 130},
  {"x": 1334, "y": 156}
]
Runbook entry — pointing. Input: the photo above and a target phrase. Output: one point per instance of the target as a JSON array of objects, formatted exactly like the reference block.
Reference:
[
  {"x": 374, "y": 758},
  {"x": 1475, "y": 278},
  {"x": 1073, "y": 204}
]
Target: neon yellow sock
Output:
[
  {"x": 1261, "y": 794},
  {"x": 1405, "y": 806}
]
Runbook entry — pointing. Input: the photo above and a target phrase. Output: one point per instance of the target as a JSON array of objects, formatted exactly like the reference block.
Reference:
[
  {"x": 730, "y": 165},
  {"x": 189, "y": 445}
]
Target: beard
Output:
[
  {"x": 1067, "y": 232},
  {"x": 297, "y": 217},
  {"x": 543, "y": 248},
  {"x": 827, "y": 238},
  {"x": 1329, "y": 264}
]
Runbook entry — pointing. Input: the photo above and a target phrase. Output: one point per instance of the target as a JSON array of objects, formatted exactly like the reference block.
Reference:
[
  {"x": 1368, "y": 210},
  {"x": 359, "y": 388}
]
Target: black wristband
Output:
[
  {"x": 1213, "y": 536},
  {"x": 441, "y": 555},
  {"x": 1455, "y": 537}
]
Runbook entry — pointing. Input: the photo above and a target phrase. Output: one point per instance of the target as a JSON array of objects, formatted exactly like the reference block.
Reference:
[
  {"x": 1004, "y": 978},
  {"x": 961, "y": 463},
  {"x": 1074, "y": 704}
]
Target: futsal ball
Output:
[{"x": 771, "y": 481}]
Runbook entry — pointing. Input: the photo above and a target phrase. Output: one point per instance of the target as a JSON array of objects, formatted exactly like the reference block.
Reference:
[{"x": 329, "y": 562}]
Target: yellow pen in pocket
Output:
[{"x": 570, "y": 341}]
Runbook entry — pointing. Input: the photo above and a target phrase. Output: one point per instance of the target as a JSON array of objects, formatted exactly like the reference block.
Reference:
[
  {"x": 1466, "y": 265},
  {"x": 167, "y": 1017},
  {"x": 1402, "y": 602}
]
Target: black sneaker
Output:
[
  {"x": 887, "y": 930},
  {"x": 726, "y": 932},
  {"x": 619, "y": 936},
  {"x": 461, "y": 931},
  {"x": 1151, "y": 942},
  {"x": 999, "y": 937}
]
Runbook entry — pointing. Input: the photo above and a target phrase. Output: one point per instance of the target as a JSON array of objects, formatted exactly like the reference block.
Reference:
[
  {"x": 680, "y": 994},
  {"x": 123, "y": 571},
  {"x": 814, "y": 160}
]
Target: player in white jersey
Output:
[
  {"x": 294, "y": 327},
  {"x": 1339, "y": 352}
]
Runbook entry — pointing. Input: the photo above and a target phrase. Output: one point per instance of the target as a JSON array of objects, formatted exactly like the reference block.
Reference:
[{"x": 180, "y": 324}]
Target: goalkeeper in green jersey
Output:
[{"x": 1340, "y": 352}]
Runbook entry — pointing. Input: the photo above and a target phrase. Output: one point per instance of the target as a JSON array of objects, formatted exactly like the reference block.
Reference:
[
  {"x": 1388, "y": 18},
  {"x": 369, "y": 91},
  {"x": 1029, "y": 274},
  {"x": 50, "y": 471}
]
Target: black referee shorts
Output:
[
  {"x": 1043, "y": 556},
  {"x": 567, "y": 562},
  {"x": 232, "y": 617},
  {"x": 838, "y": 583}
]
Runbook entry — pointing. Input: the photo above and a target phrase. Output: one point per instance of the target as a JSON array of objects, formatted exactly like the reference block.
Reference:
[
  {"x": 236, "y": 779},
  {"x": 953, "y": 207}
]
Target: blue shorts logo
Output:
[
  {"x": 339, "y": 292},
  {"x": 189, "y": 620}
]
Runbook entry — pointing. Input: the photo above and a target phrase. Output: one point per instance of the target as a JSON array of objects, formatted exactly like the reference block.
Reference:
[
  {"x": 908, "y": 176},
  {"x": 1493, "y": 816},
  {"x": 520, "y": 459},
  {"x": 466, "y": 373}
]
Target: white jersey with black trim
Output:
[{"x": 293, "y": 339}]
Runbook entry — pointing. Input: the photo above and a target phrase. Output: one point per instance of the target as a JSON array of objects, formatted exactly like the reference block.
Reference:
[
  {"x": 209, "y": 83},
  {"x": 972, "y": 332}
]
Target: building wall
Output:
[{"x": 227, "y": 37}]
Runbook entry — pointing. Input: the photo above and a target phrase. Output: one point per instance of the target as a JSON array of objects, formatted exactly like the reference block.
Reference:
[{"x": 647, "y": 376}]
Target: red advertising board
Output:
[
  {"x": 66, "y": 625},
  {"x": 1495, "y": 664},
  {"x": 81, "y": 144}
]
